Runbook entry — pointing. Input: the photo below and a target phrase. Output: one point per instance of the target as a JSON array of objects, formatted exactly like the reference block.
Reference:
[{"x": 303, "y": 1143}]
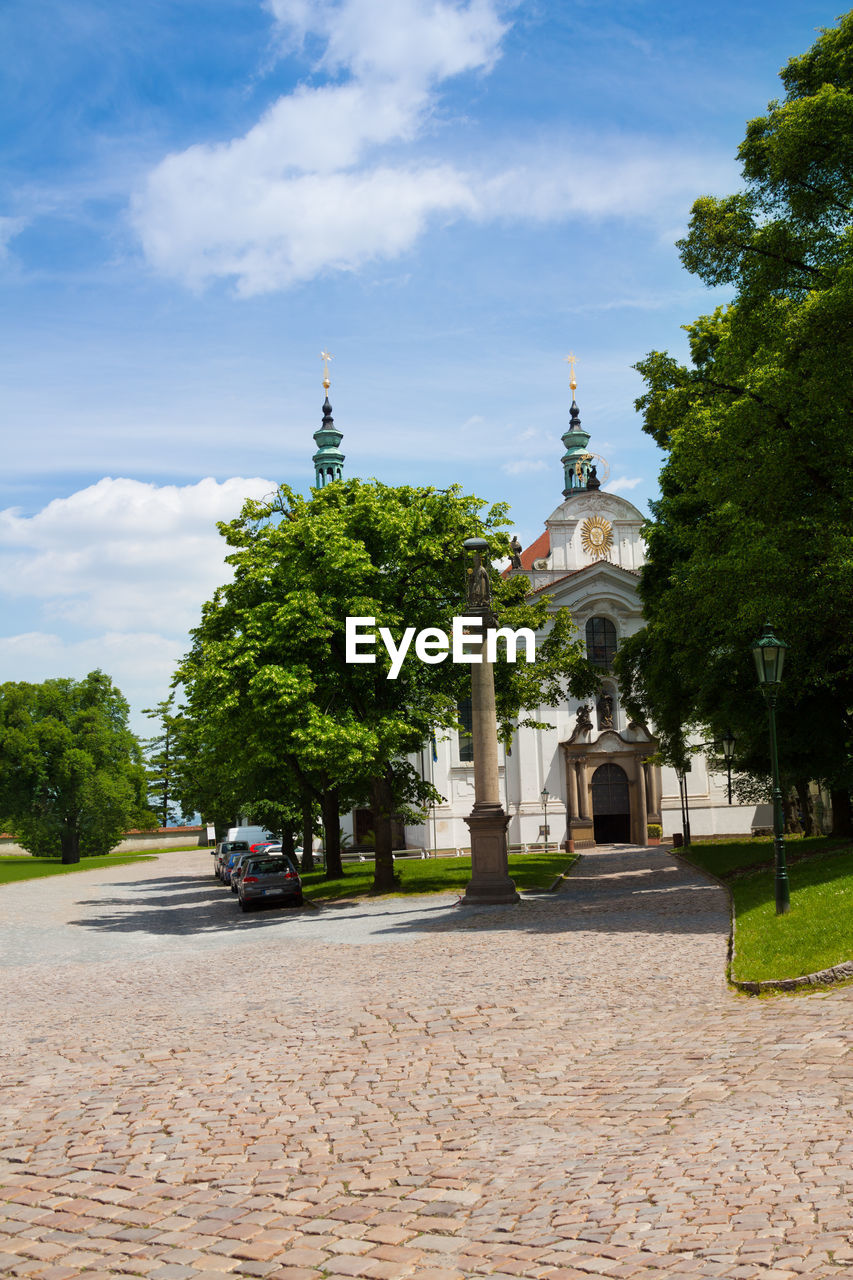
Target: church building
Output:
[{"x": 590, "y": 777}]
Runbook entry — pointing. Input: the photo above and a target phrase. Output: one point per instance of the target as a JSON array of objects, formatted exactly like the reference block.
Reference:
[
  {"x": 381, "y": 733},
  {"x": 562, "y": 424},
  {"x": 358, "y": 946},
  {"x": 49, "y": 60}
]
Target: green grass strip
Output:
[
  {"x": 26, "y": 868},
  {"x": 817, "y": 932},
  {"x": 436, "y": 875}
]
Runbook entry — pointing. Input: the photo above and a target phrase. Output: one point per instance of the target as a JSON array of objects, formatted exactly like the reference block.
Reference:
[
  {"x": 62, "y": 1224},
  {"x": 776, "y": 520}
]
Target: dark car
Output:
[
  {"x": 224, "y": 852},
  {"x": 268, "y": 880},
  {"x": 239, "y": 866}
]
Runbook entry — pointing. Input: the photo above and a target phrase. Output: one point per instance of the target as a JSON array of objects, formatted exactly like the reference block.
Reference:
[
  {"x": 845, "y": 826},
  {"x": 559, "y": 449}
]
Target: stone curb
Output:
[
  {"x": 822, "y": 978},
  {"x": 564, "y": 875}
]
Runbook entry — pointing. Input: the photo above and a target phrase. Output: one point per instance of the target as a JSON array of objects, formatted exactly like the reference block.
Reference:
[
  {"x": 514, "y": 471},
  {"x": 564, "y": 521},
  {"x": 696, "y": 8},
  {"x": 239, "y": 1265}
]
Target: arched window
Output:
[
  {"x": 601, "y": 641},
  {"x": 466, "y": 740}
]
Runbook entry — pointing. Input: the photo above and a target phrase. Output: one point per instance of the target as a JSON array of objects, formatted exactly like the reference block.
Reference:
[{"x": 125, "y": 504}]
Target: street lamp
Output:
[
  {"x": 728, "y": 752},
  {"x": 545, "y": 797},
  {"x": 726, "y": 745},
  {"x": 681, "y": 774},
  {"x": 769, "y": 654}
]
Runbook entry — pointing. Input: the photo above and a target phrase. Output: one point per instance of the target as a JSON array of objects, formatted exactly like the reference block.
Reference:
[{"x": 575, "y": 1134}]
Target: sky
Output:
[{"x": 198, "y": 196}]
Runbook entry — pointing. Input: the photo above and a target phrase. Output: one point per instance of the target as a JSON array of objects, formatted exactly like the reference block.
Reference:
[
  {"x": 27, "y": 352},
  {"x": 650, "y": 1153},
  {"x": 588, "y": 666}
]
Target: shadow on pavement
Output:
[
  {"x": 203, "y": 908},
  {"x": 634, "y": 903}
]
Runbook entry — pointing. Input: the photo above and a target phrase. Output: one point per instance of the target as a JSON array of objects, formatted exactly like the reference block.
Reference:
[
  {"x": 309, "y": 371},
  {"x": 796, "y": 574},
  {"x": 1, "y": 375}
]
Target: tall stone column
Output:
[
  {"x": 572, "y": 788},
  {"x": 583, "y": 789},
  {"x": 652, "y": 772},
  {"x": 640, "y": 791},
  {"x": 490, "y": 879}
]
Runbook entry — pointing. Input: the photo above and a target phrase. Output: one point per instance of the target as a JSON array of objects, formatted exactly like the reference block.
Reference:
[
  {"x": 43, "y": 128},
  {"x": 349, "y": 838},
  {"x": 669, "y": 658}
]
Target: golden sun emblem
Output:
[{"x": 596, "y": 537}]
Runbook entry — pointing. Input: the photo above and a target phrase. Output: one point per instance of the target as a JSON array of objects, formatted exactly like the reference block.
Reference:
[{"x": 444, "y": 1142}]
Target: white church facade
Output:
[{"x": 590, "y": 777}]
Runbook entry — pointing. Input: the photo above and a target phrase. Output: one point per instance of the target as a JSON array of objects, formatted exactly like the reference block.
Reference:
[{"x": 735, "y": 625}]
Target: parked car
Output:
[
  {"x": 238, "y": 847},
  {"x": 223, "y": 851},
  {"x": 239, "y": 866},
  {"x": 269, "y": 880},
  {"x": 265, "y": 846}
]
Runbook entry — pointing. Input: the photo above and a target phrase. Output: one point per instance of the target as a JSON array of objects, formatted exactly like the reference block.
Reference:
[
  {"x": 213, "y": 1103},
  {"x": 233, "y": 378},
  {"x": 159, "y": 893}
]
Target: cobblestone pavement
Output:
[{"x": 563, "y": 1089}]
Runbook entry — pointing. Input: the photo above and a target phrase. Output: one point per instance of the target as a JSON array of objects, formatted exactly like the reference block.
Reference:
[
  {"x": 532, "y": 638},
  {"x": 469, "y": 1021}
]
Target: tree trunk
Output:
[
  {"x": 804, "y": 796},
  {"x": 288, "y": 846},
  {"x": 841, "y": 821},
  {"x": 70, "y": 843},
  {"x": 382, "y": 802},
  {"x": 308, "y": 835},
  {"x": 332, "y": 834}
]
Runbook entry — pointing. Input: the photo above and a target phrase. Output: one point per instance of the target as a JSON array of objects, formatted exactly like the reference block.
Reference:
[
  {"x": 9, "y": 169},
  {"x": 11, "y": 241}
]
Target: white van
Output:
[{"x": 252, "y": 835}]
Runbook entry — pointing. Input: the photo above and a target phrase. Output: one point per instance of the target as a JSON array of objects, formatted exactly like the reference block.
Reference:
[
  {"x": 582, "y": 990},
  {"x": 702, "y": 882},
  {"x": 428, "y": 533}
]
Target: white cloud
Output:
[
  {"x": 312, "y": 188},
  {"x": 404, "y": 40},
  {"x": 9, "y": 228},
  {"x": 284, "y": 202},
  {"x": 118, "y": 573},
  {"x": 624, "y": 177},
  {"x": 623, "y": 483},
  {"x": 117, "y": 552},
  {"x": 273, "y": 234},
  {"x": 140, "y": 663},
  {"x": 519, "y": 465}
]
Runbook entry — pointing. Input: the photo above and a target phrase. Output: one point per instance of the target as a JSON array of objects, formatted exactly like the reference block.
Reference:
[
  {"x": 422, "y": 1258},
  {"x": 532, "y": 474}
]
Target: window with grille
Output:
[
  {"x": 466, "y": 740},
  {"x": 601, "y": 641}
]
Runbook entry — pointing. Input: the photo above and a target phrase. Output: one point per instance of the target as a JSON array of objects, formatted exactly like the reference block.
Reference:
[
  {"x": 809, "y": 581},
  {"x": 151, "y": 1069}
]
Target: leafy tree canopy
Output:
[
  {"x": 72, "y": 779},
  {"x": 161, "y": 763},
  {"x": 268, "y": 667},
  {"x": 755, "y": 519}
]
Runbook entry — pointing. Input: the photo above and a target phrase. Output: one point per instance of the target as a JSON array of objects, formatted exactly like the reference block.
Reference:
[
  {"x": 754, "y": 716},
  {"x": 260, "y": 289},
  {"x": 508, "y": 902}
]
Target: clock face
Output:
[{"x": 596, "y": 537}]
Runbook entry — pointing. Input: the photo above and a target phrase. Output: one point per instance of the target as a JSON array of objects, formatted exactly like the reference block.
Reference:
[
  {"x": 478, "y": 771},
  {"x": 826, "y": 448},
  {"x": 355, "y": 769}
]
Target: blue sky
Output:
[{"x": 196, "y": 197}]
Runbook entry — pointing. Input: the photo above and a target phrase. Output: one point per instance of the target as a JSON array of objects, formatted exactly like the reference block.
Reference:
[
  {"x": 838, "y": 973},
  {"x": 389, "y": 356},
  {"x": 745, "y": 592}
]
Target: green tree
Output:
[
  {"x": 268, "y": 667},
  {"x": 204, "y": 774},
  {"x": 755, "y": 518},
  {"x": 72, "y": 779},
  {"x": 161, "y": 762}
]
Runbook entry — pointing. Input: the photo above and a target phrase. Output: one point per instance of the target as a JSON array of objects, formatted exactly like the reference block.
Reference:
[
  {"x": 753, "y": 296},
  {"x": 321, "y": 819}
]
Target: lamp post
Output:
[
  {"x": 727, "y": 746},
  {"x": 728, "y": 752},
  {"x": 769, "y": 654},
  {"x": 490, "y": 879},
  {"x": 545, "y": 796},
  {"x": 681, "y": 774}
]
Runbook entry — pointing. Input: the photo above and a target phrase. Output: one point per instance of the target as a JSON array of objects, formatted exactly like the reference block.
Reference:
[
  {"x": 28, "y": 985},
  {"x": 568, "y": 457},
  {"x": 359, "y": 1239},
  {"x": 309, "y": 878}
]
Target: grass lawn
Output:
[
  {"x": 28, "y": 868},
  {"x": 816, "y": 934},
  {"x": 437, "y": 875}
]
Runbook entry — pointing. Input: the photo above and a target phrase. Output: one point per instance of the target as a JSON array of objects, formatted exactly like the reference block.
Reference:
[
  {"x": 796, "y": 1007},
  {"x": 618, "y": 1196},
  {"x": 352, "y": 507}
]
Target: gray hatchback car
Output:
[{"x": 268, "y": 880}]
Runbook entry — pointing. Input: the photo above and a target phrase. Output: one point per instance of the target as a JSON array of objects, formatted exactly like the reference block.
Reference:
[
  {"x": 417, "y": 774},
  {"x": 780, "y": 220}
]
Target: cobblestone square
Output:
[{"x": 563, "y": 1089}]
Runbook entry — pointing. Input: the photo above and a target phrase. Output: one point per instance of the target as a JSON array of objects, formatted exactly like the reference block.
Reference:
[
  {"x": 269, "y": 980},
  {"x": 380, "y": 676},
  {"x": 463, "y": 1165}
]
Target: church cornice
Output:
[
  {"x": 597, "y": 566},
  {"x": 580, "y": 740}
]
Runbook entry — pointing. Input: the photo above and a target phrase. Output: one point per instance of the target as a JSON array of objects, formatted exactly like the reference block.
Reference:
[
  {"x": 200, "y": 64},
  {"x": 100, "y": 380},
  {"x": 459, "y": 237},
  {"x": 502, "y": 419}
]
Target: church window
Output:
[
  {"x": 465, "y": 734},
  {"x": 600, "y": 641}
]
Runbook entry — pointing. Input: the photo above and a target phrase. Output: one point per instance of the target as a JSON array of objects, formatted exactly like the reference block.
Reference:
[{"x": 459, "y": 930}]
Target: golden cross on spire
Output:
[
  {"x": 570, "y": 361},
  {"x": 326, "y": 356}
]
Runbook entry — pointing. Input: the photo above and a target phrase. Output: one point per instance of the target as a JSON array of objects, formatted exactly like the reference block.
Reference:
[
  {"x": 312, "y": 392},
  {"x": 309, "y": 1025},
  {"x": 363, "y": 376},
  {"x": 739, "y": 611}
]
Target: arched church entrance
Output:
[{"x": 611, "y": 805}]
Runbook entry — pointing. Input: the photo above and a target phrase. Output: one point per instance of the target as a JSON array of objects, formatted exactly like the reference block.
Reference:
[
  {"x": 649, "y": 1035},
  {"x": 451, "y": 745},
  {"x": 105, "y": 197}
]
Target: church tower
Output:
[
  {"x": 328, "y": 460},
  {"x": 578, "y": 466}
]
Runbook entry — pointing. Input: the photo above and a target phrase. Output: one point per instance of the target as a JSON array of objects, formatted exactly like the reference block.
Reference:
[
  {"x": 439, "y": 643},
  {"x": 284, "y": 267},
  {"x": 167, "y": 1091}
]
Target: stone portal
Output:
[{"x": 612, "y": 786}]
